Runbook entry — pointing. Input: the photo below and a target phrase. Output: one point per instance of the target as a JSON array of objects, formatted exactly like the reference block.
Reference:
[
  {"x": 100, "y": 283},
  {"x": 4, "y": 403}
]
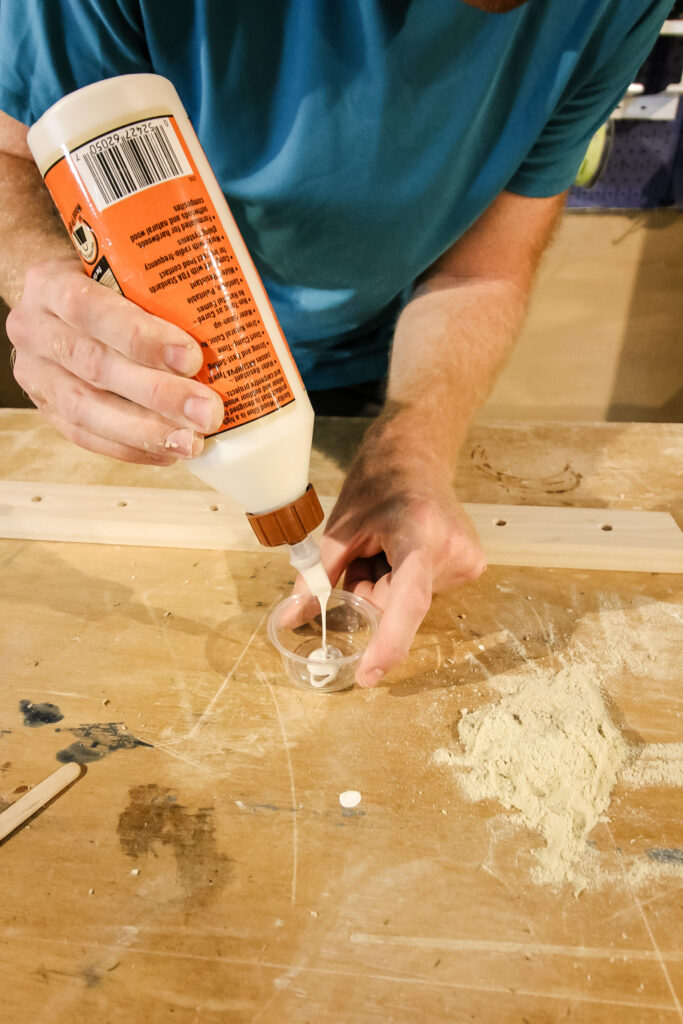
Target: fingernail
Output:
[
  {"x": 180, "y": 442},
  {"x": 185, "y": 359},
  {"x": 201, "y": 412},
  {"x": 371, "y": 678}
]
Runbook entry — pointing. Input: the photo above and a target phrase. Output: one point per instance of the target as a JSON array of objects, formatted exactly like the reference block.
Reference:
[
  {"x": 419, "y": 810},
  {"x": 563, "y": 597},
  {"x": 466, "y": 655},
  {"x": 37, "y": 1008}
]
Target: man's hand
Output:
[
  {"x": 108, "y": 376},
  {"x": 398, "y": 531},
  {"x": 400, "y": 535}
]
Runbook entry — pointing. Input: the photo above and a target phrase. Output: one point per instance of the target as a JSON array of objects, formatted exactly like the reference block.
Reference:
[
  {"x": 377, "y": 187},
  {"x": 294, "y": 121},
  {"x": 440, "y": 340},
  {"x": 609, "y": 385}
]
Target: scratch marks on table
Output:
[
  {"x": 292, "y": 787},
  {"x": 358, "y": 976},
  {"x": 509, "y": 948},
  {"x": 666, "y": 894},
  {"x": 644, "y": 918},
  {"x": 61, "y": 693},
  {"x": 19, "y": 548},
  {"x": 210, "y": 706},
  {"x": 176, "y": 754}
]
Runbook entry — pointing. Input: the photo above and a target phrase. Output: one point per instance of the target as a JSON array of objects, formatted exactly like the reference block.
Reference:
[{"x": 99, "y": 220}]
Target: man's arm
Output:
[
  {"x": 107, "y": 375},
  {"x": 30, "y": 228},
  {"x": 397, "y": 529},
  {"x": 454, "y": 336}
]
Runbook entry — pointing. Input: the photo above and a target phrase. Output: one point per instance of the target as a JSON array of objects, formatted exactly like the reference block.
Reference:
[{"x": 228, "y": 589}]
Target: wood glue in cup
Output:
[
  {"x": 295, "y": 630},
  {"x": 148, "y": 219}
]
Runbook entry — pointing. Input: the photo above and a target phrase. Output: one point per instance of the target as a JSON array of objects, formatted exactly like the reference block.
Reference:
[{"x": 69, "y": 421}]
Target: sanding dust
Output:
[{"x": 551, "y": 751}]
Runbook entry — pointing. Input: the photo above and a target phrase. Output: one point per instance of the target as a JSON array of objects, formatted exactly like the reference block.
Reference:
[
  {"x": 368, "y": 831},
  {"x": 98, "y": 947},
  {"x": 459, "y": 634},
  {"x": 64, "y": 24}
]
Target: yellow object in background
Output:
[{"x": 597, "y": 154}]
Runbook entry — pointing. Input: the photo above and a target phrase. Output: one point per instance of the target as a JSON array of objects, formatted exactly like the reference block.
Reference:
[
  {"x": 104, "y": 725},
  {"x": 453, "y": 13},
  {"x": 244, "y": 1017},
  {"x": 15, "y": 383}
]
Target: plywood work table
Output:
[{"x": 203, "y": 869}]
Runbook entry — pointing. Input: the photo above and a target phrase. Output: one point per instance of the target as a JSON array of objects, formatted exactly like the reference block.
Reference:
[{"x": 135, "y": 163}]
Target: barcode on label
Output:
[{"x": 129, "y": 160}]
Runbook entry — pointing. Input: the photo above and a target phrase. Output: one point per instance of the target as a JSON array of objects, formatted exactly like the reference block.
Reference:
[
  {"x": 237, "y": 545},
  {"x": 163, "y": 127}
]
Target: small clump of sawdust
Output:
[{"x": 549, "y": 750}]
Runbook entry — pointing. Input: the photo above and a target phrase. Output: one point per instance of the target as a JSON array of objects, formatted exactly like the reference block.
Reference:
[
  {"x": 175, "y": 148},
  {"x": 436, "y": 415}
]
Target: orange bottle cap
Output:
[{"x": 289, "y": 524}]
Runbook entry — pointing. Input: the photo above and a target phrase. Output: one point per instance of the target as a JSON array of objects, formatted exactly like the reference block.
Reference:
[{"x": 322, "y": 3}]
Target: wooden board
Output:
[
  {"x": 569, "y": 538},
  {"x": 203, "y": 870}
]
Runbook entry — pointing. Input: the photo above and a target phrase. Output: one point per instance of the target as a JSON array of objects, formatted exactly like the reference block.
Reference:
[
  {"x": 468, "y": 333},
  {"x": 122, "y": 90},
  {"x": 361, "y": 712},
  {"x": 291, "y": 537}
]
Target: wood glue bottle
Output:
[{"x": 148, "y": 219}]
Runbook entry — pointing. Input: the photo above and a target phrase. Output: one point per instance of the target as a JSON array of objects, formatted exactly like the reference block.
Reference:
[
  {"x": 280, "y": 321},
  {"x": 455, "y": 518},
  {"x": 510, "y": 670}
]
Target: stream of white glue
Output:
[
  {"x": 321, "y": 665},
  {"x": 323, "y": 599}
]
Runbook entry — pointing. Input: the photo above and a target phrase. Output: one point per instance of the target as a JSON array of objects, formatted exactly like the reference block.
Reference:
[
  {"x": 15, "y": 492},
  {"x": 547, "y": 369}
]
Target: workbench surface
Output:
[{"x": 202, "y": 869}]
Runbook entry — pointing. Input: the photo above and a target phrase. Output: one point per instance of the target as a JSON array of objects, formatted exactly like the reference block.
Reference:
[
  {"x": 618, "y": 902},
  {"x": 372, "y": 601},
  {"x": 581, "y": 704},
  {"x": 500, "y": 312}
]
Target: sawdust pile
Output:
[{"x": 549, "y": 750}]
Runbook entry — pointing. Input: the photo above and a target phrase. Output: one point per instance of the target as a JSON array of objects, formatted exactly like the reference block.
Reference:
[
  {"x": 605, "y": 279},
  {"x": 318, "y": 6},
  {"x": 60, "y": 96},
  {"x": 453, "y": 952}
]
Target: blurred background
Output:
[{"x": 604, "y": 336}]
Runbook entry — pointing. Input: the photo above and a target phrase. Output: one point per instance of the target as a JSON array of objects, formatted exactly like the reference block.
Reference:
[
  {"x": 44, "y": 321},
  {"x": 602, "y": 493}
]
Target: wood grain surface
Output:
[{"x": 203, "y": 869}]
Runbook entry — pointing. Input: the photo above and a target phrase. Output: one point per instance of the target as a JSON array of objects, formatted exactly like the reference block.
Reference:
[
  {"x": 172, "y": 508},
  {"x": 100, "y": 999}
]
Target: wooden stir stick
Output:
[{"x": 27, "y": 805}]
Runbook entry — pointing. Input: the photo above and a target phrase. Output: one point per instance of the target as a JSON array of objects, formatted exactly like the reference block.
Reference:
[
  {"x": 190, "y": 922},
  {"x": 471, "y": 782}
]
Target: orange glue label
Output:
[{"x": 143, "y": 223}]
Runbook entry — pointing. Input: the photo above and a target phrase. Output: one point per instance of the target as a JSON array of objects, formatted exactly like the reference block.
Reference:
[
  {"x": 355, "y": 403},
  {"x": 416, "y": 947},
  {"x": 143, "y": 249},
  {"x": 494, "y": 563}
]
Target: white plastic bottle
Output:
[{"x": 148, "y": 218}]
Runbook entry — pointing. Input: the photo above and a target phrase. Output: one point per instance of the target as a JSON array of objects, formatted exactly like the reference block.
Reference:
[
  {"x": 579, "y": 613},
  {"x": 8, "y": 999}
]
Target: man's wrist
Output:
[{"x": 413, "y": 436}]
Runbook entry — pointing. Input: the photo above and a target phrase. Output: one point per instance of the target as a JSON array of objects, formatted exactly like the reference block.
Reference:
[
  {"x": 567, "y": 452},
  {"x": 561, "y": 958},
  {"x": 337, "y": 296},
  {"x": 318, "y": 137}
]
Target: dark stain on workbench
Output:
[
  {"x": 90, "y": 976},
  {"x": 664, "y": 856},
  {"x": 154, "y": 818},
  {"x": 95, "y": 740},
  {"x": 566, "y": 479},
  {"x": 39, "y": 714}
]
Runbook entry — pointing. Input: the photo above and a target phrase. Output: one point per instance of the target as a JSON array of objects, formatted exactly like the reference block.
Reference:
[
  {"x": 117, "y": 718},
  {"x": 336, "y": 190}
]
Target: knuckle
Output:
[
  {"x": 145, "y": 337},
  {"x": 478, "y": 567},
  {"x": 15, "y": 324},
  {"x": 35, "y": 276},
  {"x": 63, "y": 348},
  {"x": 137, "y": 343},
  {"x": 71, "y": 296},
  {"x": 43, "y": 268},
  {"x": 42, "y": 393},
  {"x": 90, "y": 357},
  {"x": 457, "y": 548},
  {"x": 158, "y": 394},
  {"x": 465, "y": 559},
  {"x": 50, "y": 271},
  {"x": 70, "y": 405},
  {"x": 472, "y": 564},
  {"x": 422, "y": 514}
]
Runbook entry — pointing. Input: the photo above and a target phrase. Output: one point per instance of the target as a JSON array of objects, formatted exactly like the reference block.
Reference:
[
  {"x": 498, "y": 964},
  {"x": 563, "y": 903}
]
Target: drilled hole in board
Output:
[
  {"x": 36, "y": 497},
  {"x": 606, "y": 527},
  {"x": 501, "y": 522},
  {"x": 121, "y": 504},
  {"x": 213, "y": 508}
]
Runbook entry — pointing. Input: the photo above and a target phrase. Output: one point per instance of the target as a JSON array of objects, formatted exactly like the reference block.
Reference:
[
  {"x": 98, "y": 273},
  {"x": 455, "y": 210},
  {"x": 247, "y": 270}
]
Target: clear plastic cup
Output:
[{"x": 295, "y": 629}]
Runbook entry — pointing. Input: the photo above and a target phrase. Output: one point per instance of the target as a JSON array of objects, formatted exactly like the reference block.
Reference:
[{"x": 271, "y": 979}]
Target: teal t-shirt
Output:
[{"x": 355, "y": 140}]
